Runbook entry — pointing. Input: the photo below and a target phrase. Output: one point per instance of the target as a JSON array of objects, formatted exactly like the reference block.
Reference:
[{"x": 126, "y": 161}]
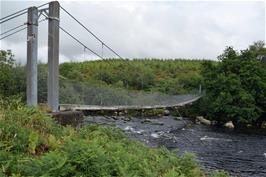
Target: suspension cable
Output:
[
  {"x": 13, "y": 14},
  {"x": 90, "y": 32},
  {"x": 84, "y": 50},
  {"x": 17, "y": 14},
  {"x": 13, "y": 17},
  {"x": 101, "y": 77},
  {"x": 65, "y": 31},
  {"x": 12, "y": 29},
  {"x": 15, "y": 32},
  {"x": 102, "y": 49},
  {"x": 42, "y": 5},
  {"x": 80, "y": 42}
]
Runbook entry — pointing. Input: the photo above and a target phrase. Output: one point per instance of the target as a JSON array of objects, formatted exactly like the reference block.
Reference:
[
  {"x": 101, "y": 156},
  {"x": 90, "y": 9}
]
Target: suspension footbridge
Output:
[
  {"x": 42, "y": 13},
  {"x": 77, "y": 107}
]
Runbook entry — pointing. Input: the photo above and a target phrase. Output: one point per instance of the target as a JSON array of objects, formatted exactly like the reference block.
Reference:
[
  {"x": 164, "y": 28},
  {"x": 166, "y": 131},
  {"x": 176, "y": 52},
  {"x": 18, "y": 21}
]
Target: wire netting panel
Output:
[{"x": 73, "y": 92}]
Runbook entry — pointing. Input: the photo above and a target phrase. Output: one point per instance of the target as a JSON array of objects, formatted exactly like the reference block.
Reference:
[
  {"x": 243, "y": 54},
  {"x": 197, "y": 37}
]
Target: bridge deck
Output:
[{"x": 128, "y": 107}]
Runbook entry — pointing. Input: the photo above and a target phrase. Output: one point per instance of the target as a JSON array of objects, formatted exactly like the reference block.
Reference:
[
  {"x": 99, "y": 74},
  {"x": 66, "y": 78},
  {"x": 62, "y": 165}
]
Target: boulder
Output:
[
  {"x": 125, "y": 118},
  {"x": 229, "y": 125},
  {"x": 166, "y": 112},
  {"x": 151, "y": 121},
  {"x": 146, "y": 121},
  {"x": 179, "y": 118},
  {"x": 114, "y": 117},
  {"x": 157, "y": 123},
  {"x": 263, "y": 125},
  {"x": 214, "y": 122},
  {"x": 202, "y": 120},
  {"x": 250, "y": 126},
  {"x": 73, "y": 118}
]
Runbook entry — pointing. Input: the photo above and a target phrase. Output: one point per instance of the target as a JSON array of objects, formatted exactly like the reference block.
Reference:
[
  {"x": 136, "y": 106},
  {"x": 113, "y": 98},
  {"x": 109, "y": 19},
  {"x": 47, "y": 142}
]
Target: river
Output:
[{"x": 238, "y": 153}]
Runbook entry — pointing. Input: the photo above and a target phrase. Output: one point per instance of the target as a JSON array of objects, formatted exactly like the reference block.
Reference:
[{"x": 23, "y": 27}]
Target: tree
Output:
[
  {"x": 236, "y": 87},
  {"x": 259, "y": 50},
  {"x": 11, "y": 76}
]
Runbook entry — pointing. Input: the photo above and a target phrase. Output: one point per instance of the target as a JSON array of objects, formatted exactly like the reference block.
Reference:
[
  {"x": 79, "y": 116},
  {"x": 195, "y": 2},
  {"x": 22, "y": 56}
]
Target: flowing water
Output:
[{"x": 240, "y": 154}]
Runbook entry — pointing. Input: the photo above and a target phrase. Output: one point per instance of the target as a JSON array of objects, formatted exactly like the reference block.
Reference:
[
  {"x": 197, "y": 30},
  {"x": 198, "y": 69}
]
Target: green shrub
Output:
[
  {"x": 235, "y": 87},
  {"x": 220, "y": 174},
  {"x": 12, "y": 76}
]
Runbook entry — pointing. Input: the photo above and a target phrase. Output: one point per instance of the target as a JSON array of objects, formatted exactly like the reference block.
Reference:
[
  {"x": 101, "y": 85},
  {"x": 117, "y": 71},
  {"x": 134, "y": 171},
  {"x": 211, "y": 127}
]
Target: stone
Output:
[
  {"x": 125, "y": 118},
  {"x": 179, "y": 118},
  {"x": 263, "y": 125},
  {"x": 146, "y": 121},
  {"x": 152, "y": 122},
  {"x": 229, "y": 125},
  {"x": 114, "y": 117},
  {"x": 202, "y": 120},
  {"x": 214, "y": 122},
  {"x": 73, "y": 118},
  {"x": 157, "y": 123},
  {"x": 250, "y": 126},
  {"x": 166, "y": 112}
]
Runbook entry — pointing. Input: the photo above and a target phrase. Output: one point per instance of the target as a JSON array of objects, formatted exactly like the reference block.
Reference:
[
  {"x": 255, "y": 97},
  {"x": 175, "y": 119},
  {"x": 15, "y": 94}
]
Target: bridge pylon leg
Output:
[
  {"x": 53, "y": 56},
  {"x": 32, "y": 55}
]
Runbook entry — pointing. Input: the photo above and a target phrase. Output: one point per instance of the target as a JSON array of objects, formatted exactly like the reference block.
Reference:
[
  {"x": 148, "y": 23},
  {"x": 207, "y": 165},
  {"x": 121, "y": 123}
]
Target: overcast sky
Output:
[{"x": 143, "y": 29}]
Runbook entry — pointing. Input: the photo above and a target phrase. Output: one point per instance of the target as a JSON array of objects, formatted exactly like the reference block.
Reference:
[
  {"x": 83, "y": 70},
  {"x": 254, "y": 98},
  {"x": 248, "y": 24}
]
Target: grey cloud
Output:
[{"x": 149, "y": 29}]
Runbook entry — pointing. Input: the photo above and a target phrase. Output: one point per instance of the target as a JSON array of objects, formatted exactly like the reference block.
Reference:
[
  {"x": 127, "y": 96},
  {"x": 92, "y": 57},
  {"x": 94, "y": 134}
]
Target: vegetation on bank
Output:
[
  {"x": 108, "y": 82},
  {"x": 33, "y": 144},
  {"x": 236, "y": 87},
  {"x": 171, "y": 77},
  {"x": 167, "y": 76}
]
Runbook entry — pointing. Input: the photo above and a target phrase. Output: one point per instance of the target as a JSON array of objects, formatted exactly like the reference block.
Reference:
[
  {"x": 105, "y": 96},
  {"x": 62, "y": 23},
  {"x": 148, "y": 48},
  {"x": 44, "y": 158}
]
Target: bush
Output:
[
  {"x": 11, "y": 80},
  {"x": 235, "y": 87}
]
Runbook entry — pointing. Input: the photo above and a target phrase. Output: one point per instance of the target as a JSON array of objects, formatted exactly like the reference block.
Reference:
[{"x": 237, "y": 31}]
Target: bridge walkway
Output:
[{"x": 79, "y": 107}]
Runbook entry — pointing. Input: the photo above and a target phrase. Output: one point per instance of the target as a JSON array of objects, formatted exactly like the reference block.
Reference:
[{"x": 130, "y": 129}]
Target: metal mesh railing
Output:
[{"x": 73, "y": 92}]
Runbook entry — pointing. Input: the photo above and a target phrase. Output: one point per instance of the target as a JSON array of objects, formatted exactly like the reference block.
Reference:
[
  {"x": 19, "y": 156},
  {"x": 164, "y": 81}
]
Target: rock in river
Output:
[
  {"x": 166, "y": 112},
  {"x": 229, "y": 125},
  {"x": 202, "y": 120},
  {"x": 263, "y": 124}
]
